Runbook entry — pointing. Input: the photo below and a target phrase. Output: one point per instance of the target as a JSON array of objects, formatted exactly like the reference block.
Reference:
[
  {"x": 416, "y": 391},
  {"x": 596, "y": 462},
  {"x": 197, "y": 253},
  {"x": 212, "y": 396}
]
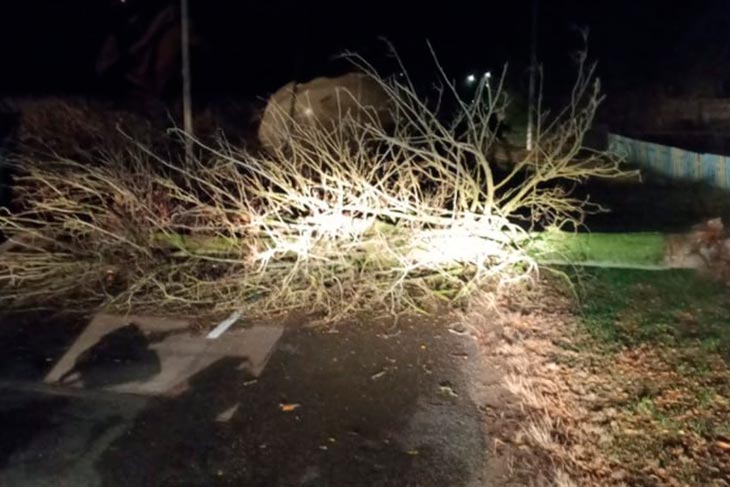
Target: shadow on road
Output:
[{"x": 119, "y": 357}]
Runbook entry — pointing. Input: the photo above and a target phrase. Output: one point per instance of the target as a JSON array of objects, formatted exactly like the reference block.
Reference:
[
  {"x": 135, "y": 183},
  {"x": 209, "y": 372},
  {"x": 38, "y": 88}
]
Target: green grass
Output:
[
  {"x": 674, "y": 308},
  {"x": 660, "y": 345},
  {"x": 620, "y": 250}
]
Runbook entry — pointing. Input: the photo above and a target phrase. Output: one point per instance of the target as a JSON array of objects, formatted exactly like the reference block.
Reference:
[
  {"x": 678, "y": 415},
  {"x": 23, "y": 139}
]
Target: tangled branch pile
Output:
[{"x": 366, "y": 214}]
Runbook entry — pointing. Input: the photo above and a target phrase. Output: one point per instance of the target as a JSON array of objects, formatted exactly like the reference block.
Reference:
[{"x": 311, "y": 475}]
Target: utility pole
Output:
[
  {"x": 187, "y": 91},
  {"x": 531, "y": 108},
  {"x": 298, "y": 50}
]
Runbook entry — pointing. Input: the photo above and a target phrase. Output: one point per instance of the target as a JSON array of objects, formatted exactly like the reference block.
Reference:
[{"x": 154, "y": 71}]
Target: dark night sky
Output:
[{"x": 251, "y": 47}]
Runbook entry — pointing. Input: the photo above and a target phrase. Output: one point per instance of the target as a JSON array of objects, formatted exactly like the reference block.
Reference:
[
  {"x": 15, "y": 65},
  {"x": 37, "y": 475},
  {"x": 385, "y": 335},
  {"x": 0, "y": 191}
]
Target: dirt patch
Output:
[{"x": 512, "y": 334}]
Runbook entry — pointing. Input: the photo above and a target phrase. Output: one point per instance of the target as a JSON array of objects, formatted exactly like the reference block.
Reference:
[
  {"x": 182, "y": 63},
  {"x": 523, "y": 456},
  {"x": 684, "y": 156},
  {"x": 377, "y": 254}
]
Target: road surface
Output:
[{"x": 365, "y": 404}]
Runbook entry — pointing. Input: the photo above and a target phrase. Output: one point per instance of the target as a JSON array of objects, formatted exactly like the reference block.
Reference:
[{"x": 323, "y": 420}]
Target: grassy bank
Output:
[{"x": 659, "y": 346}]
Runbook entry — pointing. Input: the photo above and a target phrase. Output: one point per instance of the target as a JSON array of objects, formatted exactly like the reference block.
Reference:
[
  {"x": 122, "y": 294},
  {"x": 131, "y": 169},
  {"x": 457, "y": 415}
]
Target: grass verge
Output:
[
  {"x": 660, "y": 343},
  {"x": 627, "y": 386}
]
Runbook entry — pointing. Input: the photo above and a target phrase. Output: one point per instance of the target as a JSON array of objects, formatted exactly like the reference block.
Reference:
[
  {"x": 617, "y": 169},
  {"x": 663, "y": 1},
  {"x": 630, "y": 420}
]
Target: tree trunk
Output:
[{"x": 652, "y": 251}]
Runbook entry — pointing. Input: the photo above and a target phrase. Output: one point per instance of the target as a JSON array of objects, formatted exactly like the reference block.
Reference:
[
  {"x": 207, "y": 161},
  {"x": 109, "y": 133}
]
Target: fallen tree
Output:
[
  {"x": 351, "y": 216},
  {"x": 701, "y": 248}
]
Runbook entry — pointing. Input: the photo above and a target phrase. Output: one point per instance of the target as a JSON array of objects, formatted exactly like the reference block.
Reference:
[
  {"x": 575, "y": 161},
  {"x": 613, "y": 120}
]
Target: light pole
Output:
[
  {"x": 187, "y": 89},
  {"x": 531, "y": 109}
]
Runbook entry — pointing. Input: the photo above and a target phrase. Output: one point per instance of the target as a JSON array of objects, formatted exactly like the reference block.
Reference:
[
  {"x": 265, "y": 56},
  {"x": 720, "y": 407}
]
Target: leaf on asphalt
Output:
[
  {"x": 287, "y": 408},
  {"x": 378, "y": 375}
]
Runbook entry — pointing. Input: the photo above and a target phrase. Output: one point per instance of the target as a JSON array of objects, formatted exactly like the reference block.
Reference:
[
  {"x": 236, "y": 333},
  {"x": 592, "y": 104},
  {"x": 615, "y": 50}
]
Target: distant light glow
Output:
[
  {"x": 471, "y": 78},
  {"x": 488, "y": 74}
]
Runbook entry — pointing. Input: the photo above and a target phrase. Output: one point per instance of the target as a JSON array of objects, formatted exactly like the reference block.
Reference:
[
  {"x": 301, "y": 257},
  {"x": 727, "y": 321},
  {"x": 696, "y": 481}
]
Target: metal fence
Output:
[{"x": 671, "y": 161}]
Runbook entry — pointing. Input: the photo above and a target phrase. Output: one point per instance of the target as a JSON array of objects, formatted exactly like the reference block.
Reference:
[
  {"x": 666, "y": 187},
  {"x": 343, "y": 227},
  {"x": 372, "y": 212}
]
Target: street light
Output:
[{"x": 471, "y": 79}]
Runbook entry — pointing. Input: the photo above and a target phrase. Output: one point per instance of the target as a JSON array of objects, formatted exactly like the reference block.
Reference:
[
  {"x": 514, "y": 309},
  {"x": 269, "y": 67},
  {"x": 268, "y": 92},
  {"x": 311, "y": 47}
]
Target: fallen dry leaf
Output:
[
  {"x": 723, "y": 445},
  {"x": 287, "y": 408}
]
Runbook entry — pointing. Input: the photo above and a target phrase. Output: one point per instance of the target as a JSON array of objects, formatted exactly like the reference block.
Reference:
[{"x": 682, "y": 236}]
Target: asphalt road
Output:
[{"x": 367, "y": 405}]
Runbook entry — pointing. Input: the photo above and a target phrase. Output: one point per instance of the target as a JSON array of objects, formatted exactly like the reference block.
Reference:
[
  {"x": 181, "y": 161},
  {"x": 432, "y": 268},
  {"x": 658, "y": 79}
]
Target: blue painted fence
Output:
[{"x": 673, "y": 162}]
